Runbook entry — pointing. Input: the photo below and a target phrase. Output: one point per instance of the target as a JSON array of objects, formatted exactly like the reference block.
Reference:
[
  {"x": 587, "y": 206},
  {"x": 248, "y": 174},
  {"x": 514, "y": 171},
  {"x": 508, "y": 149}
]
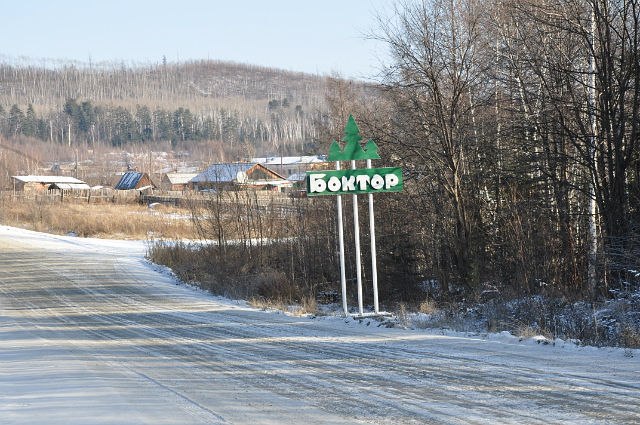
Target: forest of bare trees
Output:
[
  {"x": 83, "y": 105},
  {"x": 517, "y": 124}
]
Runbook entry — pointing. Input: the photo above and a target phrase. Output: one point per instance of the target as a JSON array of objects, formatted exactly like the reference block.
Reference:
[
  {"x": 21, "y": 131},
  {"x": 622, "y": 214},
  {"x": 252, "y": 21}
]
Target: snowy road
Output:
[{"x": 91, "y": 334}]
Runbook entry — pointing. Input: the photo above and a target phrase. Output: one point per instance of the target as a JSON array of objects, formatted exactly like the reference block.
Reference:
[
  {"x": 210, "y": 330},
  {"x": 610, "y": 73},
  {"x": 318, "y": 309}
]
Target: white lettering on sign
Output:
[
  {"x": 348, "y": 183},
  {"x": 377, "y": 181},
  {"x": 316, "y": 184},
  {"x": 390, "y": 180},
  {"x": 319, "y": 183},
  {"x": 362, "y": 180},
  {"x": 334, "y": 184}
]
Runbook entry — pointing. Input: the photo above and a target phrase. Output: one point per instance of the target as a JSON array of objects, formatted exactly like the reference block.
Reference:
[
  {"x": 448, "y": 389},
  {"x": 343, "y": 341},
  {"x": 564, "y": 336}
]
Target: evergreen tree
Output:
[
  {"x": 124, "y": 129},
  {"x": 144, "y": 122},
  {"x": 71, "y": 108},
  {"x": 86, "y": 117},
  {"x": 16, "y": 120},
  {"x": 30, "y": 125},
  {"x": 3, "y": 121},
  {"x": 183, "y": 124}
]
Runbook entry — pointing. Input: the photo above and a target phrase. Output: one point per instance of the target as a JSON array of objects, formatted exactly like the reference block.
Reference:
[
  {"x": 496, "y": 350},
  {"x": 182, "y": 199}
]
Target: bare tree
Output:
[
  {"x": 435, "y": 80},
  {"x": 577, "y": 48}
]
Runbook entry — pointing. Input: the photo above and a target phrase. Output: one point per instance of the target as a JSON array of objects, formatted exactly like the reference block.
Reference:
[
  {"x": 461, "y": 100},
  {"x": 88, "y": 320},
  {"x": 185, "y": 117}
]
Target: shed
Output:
[
  {"x": 69, "y": 186},
  {"x": 65, "y": 189},
  {"x": 134, "y": 180},
  {"x": 43, "y": 183},
  {"x": 176, "y": 181},
  {"x": 242, "y": 175}
]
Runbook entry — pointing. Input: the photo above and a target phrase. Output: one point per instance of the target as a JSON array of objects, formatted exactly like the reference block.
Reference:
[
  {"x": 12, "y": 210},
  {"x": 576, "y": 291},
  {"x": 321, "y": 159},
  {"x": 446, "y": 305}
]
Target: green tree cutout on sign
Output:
[
  {"x": 352, "y": 149},
  {"x": 353, "y": 181}
]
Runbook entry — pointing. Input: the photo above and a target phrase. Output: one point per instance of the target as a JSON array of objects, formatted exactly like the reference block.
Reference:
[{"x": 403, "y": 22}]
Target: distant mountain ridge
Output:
[
  {"x": 269, "y": 109},
  {"x": 190, "y": 84}
]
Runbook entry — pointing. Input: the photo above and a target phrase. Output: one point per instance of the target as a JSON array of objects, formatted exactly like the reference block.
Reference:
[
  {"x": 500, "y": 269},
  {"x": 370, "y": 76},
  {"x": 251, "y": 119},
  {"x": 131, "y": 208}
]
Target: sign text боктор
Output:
[{"x": 346, "y": 182}]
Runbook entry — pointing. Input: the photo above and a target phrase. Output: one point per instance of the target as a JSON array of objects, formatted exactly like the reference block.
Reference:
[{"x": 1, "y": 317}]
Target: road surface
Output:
[{"x": 90, "y": 333}]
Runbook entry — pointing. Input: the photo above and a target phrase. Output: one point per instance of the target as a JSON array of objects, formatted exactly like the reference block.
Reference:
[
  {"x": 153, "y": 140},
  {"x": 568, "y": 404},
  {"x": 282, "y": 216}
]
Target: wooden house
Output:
[
  {"x": 133, "y": 180},
  {"x": 176, "y": 182},
  {"x": 238, "y": 176}
]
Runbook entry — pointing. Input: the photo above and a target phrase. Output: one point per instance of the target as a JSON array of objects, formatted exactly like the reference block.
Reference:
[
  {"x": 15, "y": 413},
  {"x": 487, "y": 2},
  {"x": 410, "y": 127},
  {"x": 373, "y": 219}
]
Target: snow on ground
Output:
[{"x": 92, "y": 333}]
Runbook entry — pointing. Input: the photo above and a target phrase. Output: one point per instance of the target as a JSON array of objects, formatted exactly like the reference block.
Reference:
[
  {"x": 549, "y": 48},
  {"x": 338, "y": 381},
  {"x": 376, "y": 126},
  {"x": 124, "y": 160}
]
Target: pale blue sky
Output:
[{"x": 320, "y": 37}]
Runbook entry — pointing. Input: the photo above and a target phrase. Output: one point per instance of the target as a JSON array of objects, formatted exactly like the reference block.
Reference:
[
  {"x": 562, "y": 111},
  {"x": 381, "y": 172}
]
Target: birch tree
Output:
[{"x": 435, "y": 79}]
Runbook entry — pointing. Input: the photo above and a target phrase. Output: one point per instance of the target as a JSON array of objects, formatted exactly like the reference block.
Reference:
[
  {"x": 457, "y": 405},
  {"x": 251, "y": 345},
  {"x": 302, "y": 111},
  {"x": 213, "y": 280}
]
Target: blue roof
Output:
[
  {"x": 222, "y": 173},
  {"x": 297, "y": 177},
  {"x": 129, "y": 180}
]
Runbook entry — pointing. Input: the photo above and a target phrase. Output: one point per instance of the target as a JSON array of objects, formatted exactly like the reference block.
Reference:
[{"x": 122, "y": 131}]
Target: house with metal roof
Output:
[
  {"x": 289, "y": 165},
  {"x": 236, "y": 176},
  {"x": 133, "y": 180}
]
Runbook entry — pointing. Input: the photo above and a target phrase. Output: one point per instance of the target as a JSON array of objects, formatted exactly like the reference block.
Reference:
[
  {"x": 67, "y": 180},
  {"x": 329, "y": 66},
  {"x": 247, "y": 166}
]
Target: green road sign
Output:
[
  {"x": 343, "y": 182},
  {"x": 352, "y": 182}
]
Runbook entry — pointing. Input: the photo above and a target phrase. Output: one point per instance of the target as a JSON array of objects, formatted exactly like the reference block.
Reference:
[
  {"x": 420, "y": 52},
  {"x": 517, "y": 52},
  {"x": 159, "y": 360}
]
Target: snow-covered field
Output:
[{"x": 91, "y": 333}]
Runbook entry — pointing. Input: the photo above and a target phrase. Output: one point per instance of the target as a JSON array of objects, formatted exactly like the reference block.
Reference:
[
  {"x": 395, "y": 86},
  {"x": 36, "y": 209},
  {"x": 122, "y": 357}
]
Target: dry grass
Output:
[
  {"x": 428, "y": 307},
  {"x": 403, "y": 315},
  {"x": 526, "y": 332},
  {"x": 235, "y": 271},
  {"x": 630, "y": 336},
  {"x": 106, "y": 220},
  {"x": 267, "y": 304},
  {"x": 307, "y": 305}
]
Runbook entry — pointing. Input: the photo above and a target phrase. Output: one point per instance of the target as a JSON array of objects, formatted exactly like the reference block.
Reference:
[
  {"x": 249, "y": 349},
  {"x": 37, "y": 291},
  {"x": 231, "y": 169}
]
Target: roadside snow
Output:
[
  {"x": 93, "y": 333},
  {"x": 136, "y": 251}
]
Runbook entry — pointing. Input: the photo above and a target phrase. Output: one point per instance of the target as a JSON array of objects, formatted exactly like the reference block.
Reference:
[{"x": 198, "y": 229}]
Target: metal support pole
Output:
[
  {"x": 374, "y": 262},
  {"x": 356, "y": 231},
  {"x": 343, "y": 278}
]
